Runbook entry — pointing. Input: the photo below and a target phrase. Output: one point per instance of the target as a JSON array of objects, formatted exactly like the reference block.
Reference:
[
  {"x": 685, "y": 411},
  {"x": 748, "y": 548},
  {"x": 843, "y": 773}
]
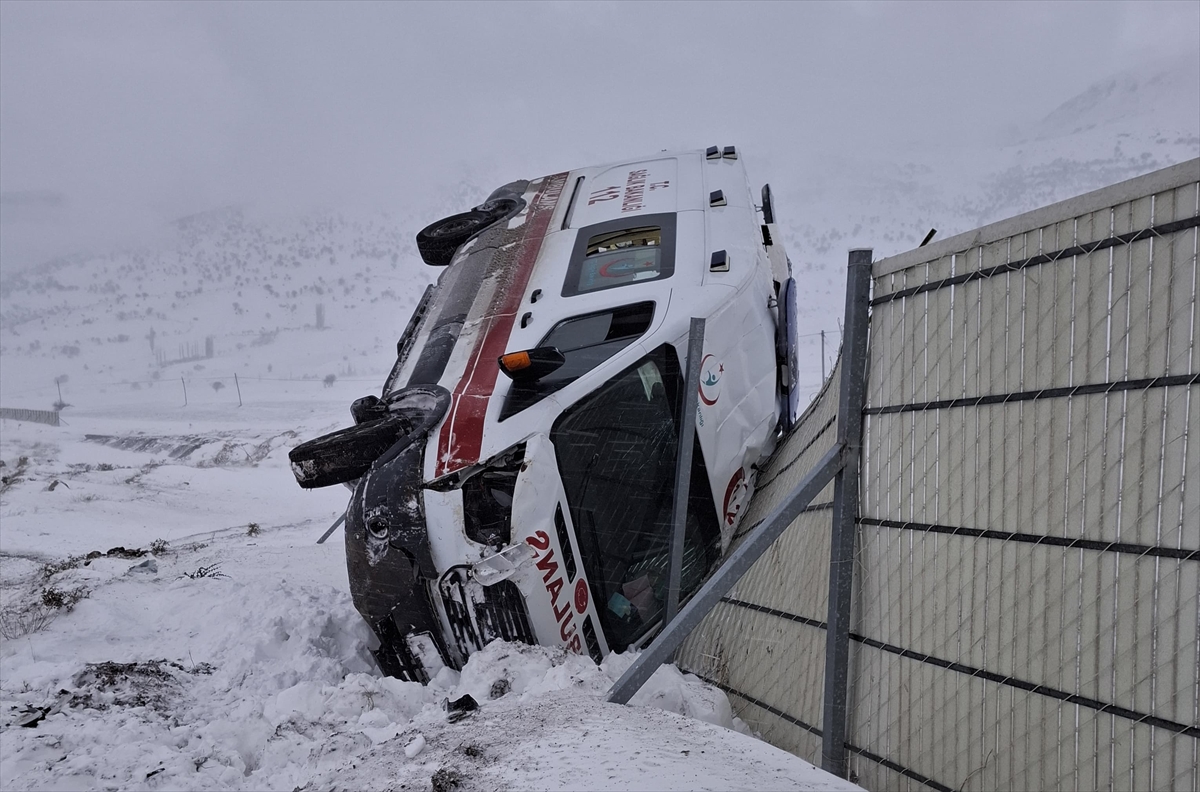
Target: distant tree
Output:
[{"x": 216, "y": 386}]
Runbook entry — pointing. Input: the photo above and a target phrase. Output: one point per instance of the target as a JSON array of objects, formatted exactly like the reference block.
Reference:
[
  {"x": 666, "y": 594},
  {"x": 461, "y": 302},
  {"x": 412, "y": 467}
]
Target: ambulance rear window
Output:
[{"x": 621, "y": 252}]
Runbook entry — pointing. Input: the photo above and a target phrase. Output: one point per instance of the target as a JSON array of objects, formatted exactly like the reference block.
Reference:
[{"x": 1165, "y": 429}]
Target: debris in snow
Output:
[
  {"x": 460, "y": 707},
  {"x": 32, "y": 716}
]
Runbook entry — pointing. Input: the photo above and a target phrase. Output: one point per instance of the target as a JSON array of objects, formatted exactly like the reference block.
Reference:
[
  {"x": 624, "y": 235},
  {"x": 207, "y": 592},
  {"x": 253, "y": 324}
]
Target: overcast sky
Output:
[{"x": 140, "y": 112}]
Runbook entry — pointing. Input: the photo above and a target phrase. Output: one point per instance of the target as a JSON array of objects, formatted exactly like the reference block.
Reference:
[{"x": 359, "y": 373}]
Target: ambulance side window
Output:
[
  {"x": 621, "y": 252},
  {"x": 586, "y": 342}
]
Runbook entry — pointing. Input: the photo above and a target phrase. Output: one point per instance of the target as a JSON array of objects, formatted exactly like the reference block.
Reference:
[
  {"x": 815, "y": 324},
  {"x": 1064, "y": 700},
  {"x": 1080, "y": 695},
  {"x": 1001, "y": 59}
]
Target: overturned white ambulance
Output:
[{"x": 515, "y": 479}]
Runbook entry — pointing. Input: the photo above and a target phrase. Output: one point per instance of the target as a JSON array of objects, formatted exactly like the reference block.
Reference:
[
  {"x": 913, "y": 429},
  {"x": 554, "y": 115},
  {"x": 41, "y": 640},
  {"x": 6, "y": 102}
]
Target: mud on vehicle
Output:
[{"x": 515, "y": 477}]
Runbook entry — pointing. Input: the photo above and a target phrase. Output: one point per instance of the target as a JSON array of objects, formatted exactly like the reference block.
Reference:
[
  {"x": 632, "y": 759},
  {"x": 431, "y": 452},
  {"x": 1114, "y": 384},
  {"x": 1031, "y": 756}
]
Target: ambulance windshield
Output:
[{"x": 616, "y": 453}]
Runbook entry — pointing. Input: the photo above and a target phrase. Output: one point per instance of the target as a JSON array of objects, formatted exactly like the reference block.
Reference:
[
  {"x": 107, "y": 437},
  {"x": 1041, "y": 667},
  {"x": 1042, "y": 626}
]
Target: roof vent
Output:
[
  {"x": 712, "y": 153},
  {"x": 719, "y": 261},
  {"x": 716, "y": 198},
  {"x": 729, "y": 152}
]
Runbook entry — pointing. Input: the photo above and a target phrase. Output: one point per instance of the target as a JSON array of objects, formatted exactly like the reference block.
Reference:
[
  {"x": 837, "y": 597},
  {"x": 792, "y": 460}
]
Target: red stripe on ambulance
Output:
[{"x": 461, "y": 437}]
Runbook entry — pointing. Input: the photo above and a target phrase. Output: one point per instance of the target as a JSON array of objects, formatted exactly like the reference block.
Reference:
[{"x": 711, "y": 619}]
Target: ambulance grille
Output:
[
  {"x": 477, "y": 620},
  {"x": 564, "y": 541},
  {"x": 589, "y": 637}
]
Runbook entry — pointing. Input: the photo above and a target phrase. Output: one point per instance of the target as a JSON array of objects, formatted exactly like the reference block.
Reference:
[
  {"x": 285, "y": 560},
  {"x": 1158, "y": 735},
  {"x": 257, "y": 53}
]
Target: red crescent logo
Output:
[
  {"x": 733, "y": 496},
  {"x": 581, "y": 595},
  {"x": 704, "y": 397}
]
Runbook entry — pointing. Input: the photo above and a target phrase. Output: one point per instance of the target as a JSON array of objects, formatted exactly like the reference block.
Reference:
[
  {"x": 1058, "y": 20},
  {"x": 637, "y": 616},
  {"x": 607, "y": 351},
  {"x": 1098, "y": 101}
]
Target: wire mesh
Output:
[
  {"x": 1027, "y": 582},
  {"x": 764, "y": 644}
]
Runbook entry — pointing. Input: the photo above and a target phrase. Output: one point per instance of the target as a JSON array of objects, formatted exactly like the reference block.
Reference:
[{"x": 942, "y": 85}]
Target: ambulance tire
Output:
[
  {"x": 789, "y": 368},
  {"x": 499, "y": 208},
  {"x": 438, "y": 242}
]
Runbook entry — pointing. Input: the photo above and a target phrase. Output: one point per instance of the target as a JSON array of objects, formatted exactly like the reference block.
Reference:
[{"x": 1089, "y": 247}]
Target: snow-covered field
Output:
[
  {"x": 218, "y": 648},
  {"x": 229, "y": 655}
]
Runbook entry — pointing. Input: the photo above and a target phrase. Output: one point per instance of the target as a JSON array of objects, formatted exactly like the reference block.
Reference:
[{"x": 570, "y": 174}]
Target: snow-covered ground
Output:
[{"x": 229, "y": 655}]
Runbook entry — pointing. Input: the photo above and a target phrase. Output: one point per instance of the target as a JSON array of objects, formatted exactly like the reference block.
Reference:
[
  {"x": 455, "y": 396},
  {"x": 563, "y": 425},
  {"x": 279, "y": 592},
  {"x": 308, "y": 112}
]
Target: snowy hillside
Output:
[
  {"x": 1120, "y": 127},
  {"x": 255, "y": 286}
]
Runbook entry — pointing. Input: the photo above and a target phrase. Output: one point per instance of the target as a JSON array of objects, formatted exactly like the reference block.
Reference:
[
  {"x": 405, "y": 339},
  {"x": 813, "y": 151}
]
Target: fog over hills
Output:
[{"x": 253, "y": 282}]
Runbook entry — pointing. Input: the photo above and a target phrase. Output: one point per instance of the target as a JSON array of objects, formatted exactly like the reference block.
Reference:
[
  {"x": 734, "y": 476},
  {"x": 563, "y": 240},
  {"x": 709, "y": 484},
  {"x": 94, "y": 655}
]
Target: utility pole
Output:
[{"x": 822, "y": 356}]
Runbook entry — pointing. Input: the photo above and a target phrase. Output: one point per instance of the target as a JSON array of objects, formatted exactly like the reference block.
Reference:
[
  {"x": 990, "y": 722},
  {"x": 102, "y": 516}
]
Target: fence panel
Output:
[
  {"x": 765, "y": 643},
  {"x": 1027, "y": 580},
  {"x": 49, "y": 417},
  {"x": 1029, "y": 537}
]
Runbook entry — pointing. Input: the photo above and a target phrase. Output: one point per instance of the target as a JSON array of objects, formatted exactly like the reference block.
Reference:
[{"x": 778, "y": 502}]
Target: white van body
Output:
[{"x": 539, "y": 510}]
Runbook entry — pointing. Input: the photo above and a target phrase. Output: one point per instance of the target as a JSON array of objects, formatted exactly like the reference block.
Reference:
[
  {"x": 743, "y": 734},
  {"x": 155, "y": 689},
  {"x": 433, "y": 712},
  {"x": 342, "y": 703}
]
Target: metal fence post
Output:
[
  {"x": 683, "y": 467},
  {"x": 845, "y": 512}
]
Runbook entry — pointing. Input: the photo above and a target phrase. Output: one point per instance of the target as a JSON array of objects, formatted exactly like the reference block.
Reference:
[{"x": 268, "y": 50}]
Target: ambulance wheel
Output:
[
  {"x": 788, "y": 354},
  {"x": 439, "y": 241},
  {"x": 500, "y": 208}
]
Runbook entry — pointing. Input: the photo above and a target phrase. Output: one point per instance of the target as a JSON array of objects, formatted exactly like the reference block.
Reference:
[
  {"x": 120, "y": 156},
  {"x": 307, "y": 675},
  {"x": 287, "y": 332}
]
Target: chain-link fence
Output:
[{"x": 1026, "y": 553}]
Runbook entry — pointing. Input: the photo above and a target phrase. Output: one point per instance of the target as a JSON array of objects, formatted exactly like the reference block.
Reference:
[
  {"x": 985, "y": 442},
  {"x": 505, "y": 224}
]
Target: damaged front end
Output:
[
  {"x": 423, "y": 619},
  {"x": 387, "y": 553},
  {"x": 387, "y": 544},
  {"x": 426, "y": 609}
]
